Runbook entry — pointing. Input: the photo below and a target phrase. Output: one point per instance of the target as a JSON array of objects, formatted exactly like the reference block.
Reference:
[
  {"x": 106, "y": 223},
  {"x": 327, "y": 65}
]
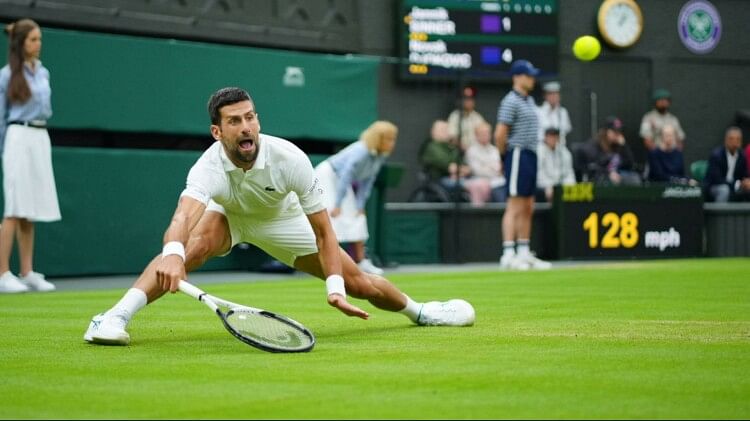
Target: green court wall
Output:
[
  {"x": 116, "y": 205},
  {"x": 128, "y": 83}
]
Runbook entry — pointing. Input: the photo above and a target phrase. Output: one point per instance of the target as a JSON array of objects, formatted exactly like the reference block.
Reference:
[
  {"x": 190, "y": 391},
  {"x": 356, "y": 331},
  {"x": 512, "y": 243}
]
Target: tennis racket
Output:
[{"x": 259, "y": 328}]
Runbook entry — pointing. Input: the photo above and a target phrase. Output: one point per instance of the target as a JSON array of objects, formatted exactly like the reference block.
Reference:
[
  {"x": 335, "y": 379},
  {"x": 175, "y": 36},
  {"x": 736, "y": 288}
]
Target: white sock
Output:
[
  {"x": 523, "y": 247},
  {"x": 133, "y": 300},
  {"x": 509, "y": 248},
  {"x": 412, "y": 309}
]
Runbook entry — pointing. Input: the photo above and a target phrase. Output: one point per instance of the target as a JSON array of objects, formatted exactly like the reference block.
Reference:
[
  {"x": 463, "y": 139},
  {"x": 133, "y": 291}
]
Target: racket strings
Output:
[{"x": 266, "y": 330}]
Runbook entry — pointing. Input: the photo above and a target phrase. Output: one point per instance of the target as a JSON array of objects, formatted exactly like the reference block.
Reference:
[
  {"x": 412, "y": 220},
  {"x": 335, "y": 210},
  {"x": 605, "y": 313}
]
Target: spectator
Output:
[
  {"x": 608, "y": 159},
  {"x": 553, "y": 114},
  {"x": 484, "y": 160},
  {"x": 28, "y": 178},
  {"x": 516, "y": 130},
  {"x": 442, "y": 159},
  {"x": 463, "y": 123},
  {"x": 727, "y": 177},
  {"x": 747, "y": 157},
  {"x": 347, "y": 179},
  {"x": 654, "y": 120},
  {"x": 555, "y": 164},
  {"x": 666, "y": 163}
]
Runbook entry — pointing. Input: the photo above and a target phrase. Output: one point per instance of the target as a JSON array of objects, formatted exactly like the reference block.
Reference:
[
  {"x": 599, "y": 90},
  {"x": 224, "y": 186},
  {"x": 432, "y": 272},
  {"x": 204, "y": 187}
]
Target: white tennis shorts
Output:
[{"x": 285, "y": 237}]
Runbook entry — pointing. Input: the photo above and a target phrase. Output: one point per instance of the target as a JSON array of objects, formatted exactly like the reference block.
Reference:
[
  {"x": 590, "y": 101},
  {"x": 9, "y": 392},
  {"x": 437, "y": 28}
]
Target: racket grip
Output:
[{"x": 191, "y": 290}]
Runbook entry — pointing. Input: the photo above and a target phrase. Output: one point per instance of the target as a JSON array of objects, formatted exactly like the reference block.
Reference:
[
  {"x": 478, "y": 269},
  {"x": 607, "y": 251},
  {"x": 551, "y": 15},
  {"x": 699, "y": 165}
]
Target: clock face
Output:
[{"x": 620, "y": 22}]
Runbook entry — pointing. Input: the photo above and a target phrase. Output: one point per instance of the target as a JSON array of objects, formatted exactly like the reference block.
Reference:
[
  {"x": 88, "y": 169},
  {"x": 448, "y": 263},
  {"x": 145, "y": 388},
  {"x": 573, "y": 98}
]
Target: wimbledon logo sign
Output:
[{"x": 699, "y": 26}]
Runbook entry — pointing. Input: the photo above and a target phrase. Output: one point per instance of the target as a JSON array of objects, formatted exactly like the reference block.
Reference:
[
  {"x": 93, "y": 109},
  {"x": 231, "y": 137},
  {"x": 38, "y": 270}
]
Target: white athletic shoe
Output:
[
  {"x": 107, "y": 329},
  {"x": 506, "y": 260},
  {"x": 447, "y": 313},
  {"x": 513, "y": 262},
  {"x": 10, "y": 284},
  {"x": 36, "y": 282},
  {"x": 534, "y": 262},
  {"x": 367, "y": 266}
]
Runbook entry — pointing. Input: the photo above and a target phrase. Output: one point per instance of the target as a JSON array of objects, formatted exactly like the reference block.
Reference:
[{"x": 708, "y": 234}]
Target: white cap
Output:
[{"x": 552, "y": 86}]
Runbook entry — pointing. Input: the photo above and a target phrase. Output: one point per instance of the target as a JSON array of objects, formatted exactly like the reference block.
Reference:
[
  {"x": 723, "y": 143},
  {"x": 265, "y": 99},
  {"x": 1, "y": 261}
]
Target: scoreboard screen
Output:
[{"x": 475, "y": 39}]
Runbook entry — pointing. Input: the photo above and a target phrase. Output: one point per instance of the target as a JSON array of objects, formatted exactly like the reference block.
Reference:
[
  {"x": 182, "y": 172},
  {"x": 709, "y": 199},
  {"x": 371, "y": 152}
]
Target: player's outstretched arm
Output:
[
  {"x": 171, "y": 269},
  {"x": 330, "y": 261}
]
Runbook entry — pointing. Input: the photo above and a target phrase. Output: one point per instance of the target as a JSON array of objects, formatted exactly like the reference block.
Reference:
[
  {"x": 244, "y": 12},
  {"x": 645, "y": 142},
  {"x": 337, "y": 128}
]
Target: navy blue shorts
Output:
[{"x": 520, "y": 172}]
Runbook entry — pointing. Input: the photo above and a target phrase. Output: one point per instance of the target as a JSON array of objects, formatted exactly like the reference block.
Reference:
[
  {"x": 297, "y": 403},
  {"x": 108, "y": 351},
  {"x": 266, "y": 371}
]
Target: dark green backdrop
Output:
[
  {"x": 116, "y": 203},
  {"x": 127, "y": 83}
]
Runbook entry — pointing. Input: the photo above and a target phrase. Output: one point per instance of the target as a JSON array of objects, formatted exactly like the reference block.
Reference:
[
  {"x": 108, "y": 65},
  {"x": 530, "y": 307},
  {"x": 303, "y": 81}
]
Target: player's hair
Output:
[
  {"x": 731, "y": 129},
  {"x": 18, "y": 89},
  {"x": 373, "y": 135},
  {"x": 222, "y": 97}
]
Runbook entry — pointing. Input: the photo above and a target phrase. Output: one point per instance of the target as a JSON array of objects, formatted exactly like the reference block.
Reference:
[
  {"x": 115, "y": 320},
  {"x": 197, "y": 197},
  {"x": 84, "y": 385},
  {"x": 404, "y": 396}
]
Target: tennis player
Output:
[{"x": 260, "y": 189}]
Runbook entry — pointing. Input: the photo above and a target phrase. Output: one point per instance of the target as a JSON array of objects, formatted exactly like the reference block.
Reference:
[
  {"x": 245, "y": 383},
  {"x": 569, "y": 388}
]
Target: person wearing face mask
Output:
[
  {"x": 347, "y": 179},
  {"x": 654, "y": 120},
  {"x": 28, "y": 178}
]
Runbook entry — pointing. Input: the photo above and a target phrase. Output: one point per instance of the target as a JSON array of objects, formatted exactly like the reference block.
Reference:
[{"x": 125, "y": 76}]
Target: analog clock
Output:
[{"x": 620, "y": 22}]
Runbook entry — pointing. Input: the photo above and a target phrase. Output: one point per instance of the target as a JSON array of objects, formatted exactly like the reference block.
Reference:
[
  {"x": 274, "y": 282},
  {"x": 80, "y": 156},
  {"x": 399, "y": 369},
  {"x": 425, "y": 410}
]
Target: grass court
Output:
[{"x": 657, "y": 339}]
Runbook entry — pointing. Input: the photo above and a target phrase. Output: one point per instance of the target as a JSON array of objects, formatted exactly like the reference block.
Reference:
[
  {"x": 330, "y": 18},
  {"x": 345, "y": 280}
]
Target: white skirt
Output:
[
  {"x": 28, "y": 181},
  {"x": 350, "y": 226}
]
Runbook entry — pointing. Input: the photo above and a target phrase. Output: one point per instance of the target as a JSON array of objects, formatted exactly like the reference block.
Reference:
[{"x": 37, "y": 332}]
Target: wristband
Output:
[
  {"x": 173, "y": 247},
  {"x": 335, "y": 285}
]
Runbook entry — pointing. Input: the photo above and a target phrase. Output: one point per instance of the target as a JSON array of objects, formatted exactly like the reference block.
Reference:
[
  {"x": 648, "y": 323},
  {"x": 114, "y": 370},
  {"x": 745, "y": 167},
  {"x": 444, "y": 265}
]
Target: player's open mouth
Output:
[{"x": 247, "y": 145}]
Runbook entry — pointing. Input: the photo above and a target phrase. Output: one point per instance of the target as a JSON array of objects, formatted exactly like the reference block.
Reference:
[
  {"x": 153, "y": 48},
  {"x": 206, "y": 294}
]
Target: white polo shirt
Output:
[{"x": 281, "y": 181}]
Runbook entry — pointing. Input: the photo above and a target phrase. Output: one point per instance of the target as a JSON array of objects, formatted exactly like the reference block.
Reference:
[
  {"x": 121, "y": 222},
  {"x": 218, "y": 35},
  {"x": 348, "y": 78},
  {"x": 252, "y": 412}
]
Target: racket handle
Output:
[{"x": 191, "y": 290}]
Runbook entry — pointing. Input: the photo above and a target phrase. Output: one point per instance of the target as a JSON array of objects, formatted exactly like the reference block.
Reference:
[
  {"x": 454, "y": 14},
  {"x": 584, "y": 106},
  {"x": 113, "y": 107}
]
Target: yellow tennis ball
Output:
[{"x": 586, "y": 48}]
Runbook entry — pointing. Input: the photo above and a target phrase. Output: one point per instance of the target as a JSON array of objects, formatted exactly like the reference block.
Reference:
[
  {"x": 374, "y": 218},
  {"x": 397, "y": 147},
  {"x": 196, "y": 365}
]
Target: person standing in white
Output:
[
  {"x": 552, "y": 114},
  {"x": 347, "y": 179},
  {"x": 260, "y": 189},
  {"x": 555, "y": 164},
  {"x": 28, "y": 180}
]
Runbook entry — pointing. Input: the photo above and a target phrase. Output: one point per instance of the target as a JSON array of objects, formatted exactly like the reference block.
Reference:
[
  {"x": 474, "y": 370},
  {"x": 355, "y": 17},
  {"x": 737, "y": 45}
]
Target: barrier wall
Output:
[
  {"x": 116, "y": 205},
  {"x": 446, "y": 233}
]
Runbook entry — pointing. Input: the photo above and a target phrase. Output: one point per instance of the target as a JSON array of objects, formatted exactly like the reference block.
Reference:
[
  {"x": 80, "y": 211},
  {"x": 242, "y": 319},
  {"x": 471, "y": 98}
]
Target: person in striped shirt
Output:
[{"x": 516, "y": 137}]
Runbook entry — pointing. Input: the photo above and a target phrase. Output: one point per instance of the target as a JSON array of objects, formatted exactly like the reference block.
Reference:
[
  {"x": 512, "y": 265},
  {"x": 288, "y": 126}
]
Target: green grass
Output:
[{"x": 666, "y": 339}]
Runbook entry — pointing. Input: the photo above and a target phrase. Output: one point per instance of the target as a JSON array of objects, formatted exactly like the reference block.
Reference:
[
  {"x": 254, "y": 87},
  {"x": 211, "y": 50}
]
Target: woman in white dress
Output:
[
  {"x": 28, "y": 180},
  {"x": 347, "y": 179}
]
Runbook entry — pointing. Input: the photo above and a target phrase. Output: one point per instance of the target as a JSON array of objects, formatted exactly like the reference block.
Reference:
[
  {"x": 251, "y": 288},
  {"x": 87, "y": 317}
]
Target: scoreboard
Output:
[
  {"x": 476, "y": 39},
  {"x": 605, "y": 222}
]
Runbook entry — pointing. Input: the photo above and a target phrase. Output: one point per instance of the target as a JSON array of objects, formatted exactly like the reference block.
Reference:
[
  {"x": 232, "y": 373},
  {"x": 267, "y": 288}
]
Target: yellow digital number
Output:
[
  {"x": 621, "y": 230},
  {"x": 591, "y": 224},
  {"x": 610, "y": 240},
  {"x": 629, "y": 232}
]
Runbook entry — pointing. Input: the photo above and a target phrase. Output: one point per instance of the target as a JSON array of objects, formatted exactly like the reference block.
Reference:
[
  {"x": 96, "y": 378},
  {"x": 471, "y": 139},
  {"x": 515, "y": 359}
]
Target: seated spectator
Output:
[
  {"x": 653, "y": 121},
  {"x": 463, "y": 122},
  {"x": 727, "y": 176},
  {"x": 484, "y": 160},
  {"x": 666, "y": 163},
  {"x": 608, "y": 159},
  {"x": 442, "y": 159},
  {"x": 555, "y": 165}
]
